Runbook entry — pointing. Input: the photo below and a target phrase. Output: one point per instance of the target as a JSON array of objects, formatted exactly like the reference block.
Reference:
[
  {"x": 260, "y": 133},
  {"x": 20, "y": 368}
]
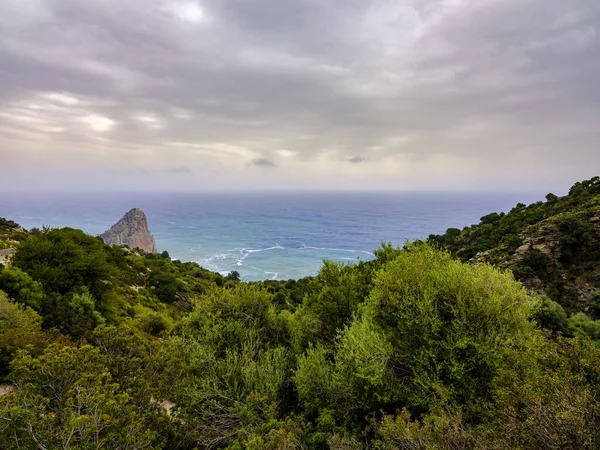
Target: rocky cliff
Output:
[{"x": 132, "y": 231}]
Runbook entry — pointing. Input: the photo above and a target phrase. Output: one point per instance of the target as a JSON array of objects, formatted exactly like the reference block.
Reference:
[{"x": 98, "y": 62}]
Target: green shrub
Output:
[{"x": 20, "y": 287}]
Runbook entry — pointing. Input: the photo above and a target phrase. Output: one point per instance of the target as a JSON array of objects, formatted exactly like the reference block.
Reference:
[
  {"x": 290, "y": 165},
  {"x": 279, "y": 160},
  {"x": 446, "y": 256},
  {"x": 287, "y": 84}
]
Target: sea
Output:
[{"x": 266, "y": 235}]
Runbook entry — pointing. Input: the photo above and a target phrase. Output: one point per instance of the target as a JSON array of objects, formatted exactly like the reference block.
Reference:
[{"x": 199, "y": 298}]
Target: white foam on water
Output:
[
  {"x": 335, "y": 249},
  {"x": 276, "y": 247}
]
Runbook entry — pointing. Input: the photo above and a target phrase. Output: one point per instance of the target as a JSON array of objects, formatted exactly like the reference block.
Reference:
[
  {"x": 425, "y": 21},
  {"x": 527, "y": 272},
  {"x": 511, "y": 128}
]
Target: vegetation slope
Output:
[
  {"x": 552, "y": 247},
  {"x": 105, "y": 347}
]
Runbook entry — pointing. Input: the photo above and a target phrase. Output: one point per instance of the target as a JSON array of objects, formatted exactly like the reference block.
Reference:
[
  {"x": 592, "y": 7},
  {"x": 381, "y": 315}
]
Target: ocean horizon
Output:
[{"x": 266, "y": 235}]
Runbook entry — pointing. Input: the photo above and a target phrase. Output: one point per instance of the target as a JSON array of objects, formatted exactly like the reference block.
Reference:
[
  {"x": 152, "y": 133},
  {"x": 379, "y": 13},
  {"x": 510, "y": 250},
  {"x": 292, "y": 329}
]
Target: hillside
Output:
[
  {"x": 552, "y": 247},
  {"x": 11, "y": 235},
  {"x": 106, "y": 347}
]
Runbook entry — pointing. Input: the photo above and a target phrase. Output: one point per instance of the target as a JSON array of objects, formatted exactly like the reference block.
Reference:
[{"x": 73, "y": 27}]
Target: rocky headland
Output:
[{"x": 131, "y": 231}]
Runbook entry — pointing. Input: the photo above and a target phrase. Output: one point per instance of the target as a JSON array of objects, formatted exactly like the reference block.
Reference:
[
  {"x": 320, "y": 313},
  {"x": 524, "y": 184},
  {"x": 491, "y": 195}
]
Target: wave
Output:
[
  {"x": 248, "y": 251},
  {"x": 237, "y": 259},
  {"x": 337, "y": 250},
  {"x": 276, "y": 247}
]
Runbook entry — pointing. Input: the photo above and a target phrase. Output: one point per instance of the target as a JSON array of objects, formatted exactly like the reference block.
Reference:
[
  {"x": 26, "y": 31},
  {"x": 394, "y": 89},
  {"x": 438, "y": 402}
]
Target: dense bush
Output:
[
  {"x": 19, "y": 286},
  {"x": 429, "y": 321},
  {"x": 20, "y": 329}
]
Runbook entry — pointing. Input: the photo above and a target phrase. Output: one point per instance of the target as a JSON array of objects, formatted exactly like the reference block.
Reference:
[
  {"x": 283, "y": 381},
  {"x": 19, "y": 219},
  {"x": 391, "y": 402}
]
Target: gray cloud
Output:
[
  {"x": 356, "y": 159},
  {"x": 434, "y": 93},
  {"x": 262, "y": 162}
]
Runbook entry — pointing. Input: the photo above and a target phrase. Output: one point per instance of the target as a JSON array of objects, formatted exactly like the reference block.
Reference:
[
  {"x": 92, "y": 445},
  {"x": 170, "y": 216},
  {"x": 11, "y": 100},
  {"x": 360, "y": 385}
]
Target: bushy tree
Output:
[
  {"x": 332, "y": 299},
  {"x": 545, "y": 398},
  {"x": 236, "y": 366},
  {"x": 583, "y": 325},
  {"x": 83, "y": 316},
  {"x": 143, "y": 366},
  {"x": 20, "y": 287},
  {"x": 20, "y": 329},
  {"x": 551, "y": 316},
  {"x": 66, "y": 398},
  {"x": 64, "y": 260},
  {"x": 430, "y": 321}
]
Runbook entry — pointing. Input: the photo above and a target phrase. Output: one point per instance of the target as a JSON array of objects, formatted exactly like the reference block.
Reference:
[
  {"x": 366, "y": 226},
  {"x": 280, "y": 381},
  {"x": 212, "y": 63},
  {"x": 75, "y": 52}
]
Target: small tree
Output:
[
  {"x": 21, "y": 287},
  {"x": 234, "y": 275}
]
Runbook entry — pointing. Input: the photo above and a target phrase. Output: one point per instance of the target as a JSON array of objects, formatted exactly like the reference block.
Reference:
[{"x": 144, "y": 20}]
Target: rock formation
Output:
[
  {"x": 132, "y": 231},
  {"x": 5, "y": 256}
]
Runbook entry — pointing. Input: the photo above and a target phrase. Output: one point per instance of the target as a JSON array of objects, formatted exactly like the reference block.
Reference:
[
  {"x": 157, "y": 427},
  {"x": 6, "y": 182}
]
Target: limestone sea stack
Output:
[{"x": 132, "y": 231}]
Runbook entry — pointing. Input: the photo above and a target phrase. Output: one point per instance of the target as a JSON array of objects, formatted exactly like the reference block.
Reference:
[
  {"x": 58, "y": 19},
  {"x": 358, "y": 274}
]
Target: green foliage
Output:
[
  {"x": 585, "y": 326},
  {"x": 165, "y": 284},
  {"x": 386, "y": 253},
  {"x": 64, "y": 260},
  {"x": 287, "y": 293},
  {"x": 7, "y": 224},
  {"x": 595, "y": 303},
  {"x": 20, "y": 287},
  {"x": 84, "y": 316},
  {"x": 234, "y": 275},
  {"x": 235, "y": 364},
  {"x": 442, "y": 428},
  {"x": 87, "y": 282},
  {"x": 429, "y": 320},
  {"x": 330, "y": 302},
  {"x": 491, "y": 218},
  {"x": 11, "y": 234},
  {"x": 228, "y": 318},
  {"x": 144, "y": 367},
  {"x": 585, "y": 188},
  {"x": 412, "y": 350},
  {"x": 20, "y": 329},
  {"x": 546, "y": 399},
  {"x": 551, "y": 316},
  {"x": 447, "y": 322},
  {"x": 551, "y": 246},
  {"x": 66, "y": 398},
  {"x": 313, "y": 379},
  {"x": 154, "y": 323}
]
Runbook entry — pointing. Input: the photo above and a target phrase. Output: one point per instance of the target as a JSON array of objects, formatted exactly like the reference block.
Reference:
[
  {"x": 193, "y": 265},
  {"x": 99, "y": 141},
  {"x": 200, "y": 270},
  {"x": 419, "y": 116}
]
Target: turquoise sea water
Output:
[{"x": 266, "y": 235}]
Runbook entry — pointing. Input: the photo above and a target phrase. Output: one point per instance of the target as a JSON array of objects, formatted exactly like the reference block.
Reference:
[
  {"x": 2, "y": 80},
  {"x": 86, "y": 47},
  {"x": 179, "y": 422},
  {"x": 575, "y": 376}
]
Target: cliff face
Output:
[{"x": 132, "y": 230}]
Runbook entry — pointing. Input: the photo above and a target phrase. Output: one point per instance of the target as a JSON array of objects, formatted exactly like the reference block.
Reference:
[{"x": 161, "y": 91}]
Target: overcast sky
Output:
[{"x": 299, "y": 94}]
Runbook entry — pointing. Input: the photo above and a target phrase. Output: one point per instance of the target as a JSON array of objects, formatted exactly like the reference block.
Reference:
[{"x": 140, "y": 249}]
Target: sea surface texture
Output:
[{"x": 266, "y": 236}]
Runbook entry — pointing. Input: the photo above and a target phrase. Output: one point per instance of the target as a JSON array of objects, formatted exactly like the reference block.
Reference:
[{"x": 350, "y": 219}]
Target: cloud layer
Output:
[{"x": 179, "y": 94}]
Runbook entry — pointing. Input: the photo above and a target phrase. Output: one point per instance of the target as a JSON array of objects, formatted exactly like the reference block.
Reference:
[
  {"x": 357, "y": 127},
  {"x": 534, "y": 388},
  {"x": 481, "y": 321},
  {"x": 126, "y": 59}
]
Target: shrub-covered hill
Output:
[
  {"x": 76, "y": 282},
  {"x": 11, "y": 234},
  {"x": 102, "y": 347},
  {"x": 552, "y": 247}
]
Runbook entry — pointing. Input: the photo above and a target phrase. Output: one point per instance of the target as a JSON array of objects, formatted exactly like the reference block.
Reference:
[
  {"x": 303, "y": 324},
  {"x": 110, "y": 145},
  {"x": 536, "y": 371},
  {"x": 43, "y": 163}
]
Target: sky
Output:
[{"x": 299, "y": 94}]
